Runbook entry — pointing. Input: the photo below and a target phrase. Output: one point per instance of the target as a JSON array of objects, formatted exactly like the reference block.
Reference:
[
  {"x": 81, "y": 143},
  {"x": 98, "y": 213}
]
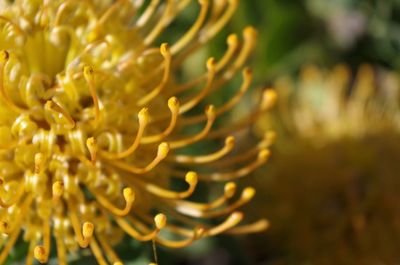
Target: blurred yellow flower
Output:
[
  {"x": 331, "y": 188},
  {"x": 95, "y": 128}
]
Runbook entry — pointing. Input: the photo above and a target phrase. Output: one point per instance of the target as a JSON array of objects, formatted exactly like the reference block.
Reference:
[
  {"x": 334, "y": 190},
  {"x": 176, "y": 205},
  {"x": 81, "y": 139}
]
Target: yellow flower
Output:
[
  {"x": 331, "y": 193},
  {"x": 96, "y": 126}
]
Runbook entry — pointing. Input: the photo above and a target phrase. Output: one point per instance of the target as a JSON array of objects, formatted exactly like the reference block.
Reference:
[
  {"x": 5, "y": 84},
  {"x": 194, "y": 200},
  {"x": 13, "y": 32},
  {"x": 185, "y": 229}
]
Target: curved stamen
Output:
[
  {"x": 147, "y": 14},
  {"x": 162, "y": 152},
  {"x": 191, "y": 33},
  {"x": 54, "y": 107},
  {"x": 190, "y": 178},
  {"x": 173, "y": 105},
  {"x": 129, "y": 198},
  {"x": 164, "y": 50},
  {"x": 262, "y": 157},
  {"x": 229, "y": 192},
  {"x": 61, "y": 251},
  {"x": 159, "y": 220},
  {"x": 230, "y": 222},
  {"x": 4, "y": 57},
  {"x": 14, "y": 199},
  {"x": 196, "y": 234},
  {"x": 91, "y": 144},
  {"x": 247, "y": 79},
  {"x": 185, "y": 159},
  {"x": 83, "y": 237},
  {"x": 256, "y": 227},
  {"x": 246, "y": 196},
  {"x": 210, "y": 113},
  {"x": 161, "y": 23},
  {"x": 143, "y": 117},
  {"x": 41, "y": 253},
  {"x": 88, "y": 73},
  {"x": 211, "y": 67}
]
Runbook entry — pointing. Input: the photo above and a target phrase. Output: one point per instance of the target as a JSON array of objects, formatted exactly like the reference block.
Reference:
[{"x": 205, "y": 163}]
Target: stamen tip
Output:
[
  {"x": 264, "y": 154},
  {"x": 173, "y": 103},
  {"x": 232, "y": 40},
  {"x": 40, "y": 254},
  {"x": 248, "y": 193},
  {"x": 230, "y": 189},
  {"x": 129, "y": 195},
  {"x": 191, "y": 178},
  {"x": 143, "y": 115},
  {"x": 87, "y": 230},
  {"x": 163, "y": 150},
  {"x": 160, "y": 221},
  {"x": 230, "y": 141},
  {"x": 4, "y": 56},
  {"x": 88, "y": 72}
]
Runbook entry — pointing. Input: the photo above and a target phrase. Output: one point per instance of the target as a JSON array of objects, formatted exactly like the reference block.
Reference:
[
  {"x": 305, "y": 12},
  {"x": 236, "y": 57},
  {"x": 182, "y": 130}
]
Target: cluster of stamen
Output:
[{"x": 97, "y": 130}]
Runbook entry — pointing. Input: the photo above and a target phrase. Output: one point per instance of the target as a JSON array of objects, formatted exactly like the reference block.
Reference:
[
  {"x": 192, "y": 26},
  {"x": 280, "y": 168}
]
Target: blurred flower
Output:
[
  {"x": 330, "y": 192},
  {"x": 75, "y": 160}
]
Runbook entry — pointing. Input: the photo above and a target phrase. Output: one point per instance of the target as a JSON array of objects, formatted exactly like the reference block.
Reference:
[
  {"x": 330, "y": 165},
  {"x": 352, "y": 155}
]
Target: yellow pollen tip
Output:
[
  {"x": 269, "y": 98},
  {"x": 164, "y": 50},
  {"x": 230, "y": 141},
  {"x": 247, "y": 72},
  {"x": 191, "y": 178},
  {"x": 87, "y": 230},
  {"x": 58, "y": 189},
  {"x": 211, "y": 64},
  {"x": 117, "y": 263},
  {"x": 129, "y": 195},
  {"x": 210, "y": 111},
  {"x": 163, "y": 150},
  {"x": 264, "y": 154},
  {"x": 248, "y": 193},
  {"x": 230, "y": 189},
  {"x": 92, "y": 146},
  {"x": 236, "y": 216},
  {"x": 160, "y": 221},
  {"x": 4, "y": 56},
  {"x": 143, "y": 116},
  {"x": 232, "y": 40},
  {"x": 40, "y": 254},
  {"x": 88, "y": 72},
  {"x": 1, "y": 181},
  {"x": 250, "y": 32},
  {"x": 173, "y": 103}
]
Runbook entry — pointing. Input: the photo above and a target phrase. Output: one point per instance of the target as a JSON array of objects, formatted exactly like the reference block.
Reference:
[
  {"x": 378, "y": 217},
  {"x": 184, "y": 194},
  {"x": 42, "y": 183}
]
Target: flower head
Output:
[{"x": 95, "y": 126}]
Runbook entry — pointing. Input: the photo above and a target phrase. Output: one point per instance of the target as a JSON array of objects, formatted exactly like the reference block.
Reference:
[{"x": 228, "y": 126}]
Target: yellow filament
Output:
[
  {"x": 91, "y": 144},
  {"x": 61, "y": 252},
  {"x": 262, "y": 157},
  {"x": 14, "y": 200},
  {"x": 143, "y": 117},
  {"x": 189, "y": 35},
  {"x": 30, "y": 255},
  {"x": 196, "y": 234},
  {"x": 94, "y": 246},
  {"x": 230, "y": 222},
  {"x": 256, "y": 227},
  {"x": 210, "y": 113},
  {"x": 164, "y": 50},
  {"x": 185, "y": 159},
  {"x": 267, "y": 141},
  {"x": 129, "y": 198},
  {"x": 246, "y": 196},
  {"x": 195, "y": 100},
  {"x": 110, "y": 253},
  {"x": 233, "y": 44},
  {"x": 162, "y": 152},
  {"x": 4, "y": 56},
  {"x": 247, "y": 79},
  {"x": 173, "y": 105},
  {"x": 51, "y": 105},
  {"x": 83, "y": 237},
  {"x": 134, "y": 233},
  {"x": 88, "y": 73},
  {"x": 161, "y": 23},
  {"x": 190, "y": 178},
  {"x": 41, "y": 253},
  {"x": 145, "y": 17}
]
